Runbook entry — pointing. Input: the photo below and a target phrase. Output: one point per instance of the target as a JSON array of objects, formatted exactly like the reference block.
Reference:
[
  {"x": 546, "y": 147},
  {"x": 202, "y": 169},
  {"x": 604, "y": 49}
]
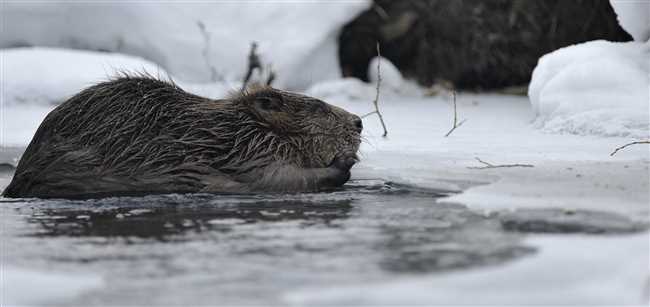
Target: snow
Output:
[
  {"x": 18, "y": 124},
  {"x": 23, "y": 287},
  {"x": 392, "y": 85},
  {"x": 391, "y": 77},
  {"x": 48, "y": 76},
  {"x": 595, "y": 88},
  {"x": 619, "y": 277},
  {"x": 298, "y": 38},
  {"x": 634, "y": 17},
  {"x": 346, "y": 88}
]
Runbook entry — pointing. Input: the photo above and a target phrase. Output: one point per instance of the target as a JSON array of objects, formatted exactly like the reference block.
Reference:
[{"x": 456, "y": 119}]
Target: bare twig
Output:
[
  {"x": 253, "y": 63},
  {"x": 271, "y": 76},
  {"x": 629, "y": 144},
  {"x": 456, "y": 123},
  {"x": 214, "y": 75},
  {"x": 376, "y": 101},
  {"x": 490, "y": 165}
]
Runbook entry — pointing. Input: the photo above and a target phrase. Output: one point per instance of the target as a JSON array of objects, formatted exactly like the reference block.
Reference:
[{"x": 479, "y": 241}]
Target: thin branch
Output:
[
  {"x": 368, "y": 114},
  {"x": 490, "y": 165},
  {"x": 271, "y": 76},
  {"x": 253, "y": 63},
  {"x": 214, "y": 75},
  {"x": 627, "y": 145},
  {"x": 376, "y": 101},
  {"x": 456, "y": 123}
]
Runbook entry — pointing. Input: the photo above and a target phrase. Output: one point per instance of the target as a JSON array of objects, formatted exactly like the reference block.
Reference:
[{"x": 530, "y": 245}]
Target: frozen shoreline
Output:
[{"x": 570, "y": 171}]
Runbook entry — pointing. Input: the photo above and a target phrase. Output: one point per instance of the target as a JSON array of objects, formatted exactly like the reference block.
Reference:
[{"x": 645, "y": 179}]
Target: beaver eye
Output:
[
  {"x": 317, "y": 106},
  {"x": 268, "y": 103}
]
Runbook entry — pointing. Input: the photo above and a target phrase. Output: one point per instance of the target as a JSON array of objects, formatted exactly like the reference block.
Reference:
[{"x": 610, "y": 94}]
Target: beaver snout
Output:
[{"x": 358, "y": 124}]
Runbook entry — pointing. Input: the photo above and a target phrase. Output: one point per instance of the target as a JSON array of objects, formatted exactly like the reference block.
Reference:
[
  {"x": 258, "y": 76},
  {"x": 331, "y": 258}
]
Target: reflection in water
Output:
[
  {"x": 244, "y": 249},
  {"x": 159, "y": 216},
  {"x": 160, "y": 221},
  {"x": 553, "y": 220},
  {"x": 448, "y": 237}
]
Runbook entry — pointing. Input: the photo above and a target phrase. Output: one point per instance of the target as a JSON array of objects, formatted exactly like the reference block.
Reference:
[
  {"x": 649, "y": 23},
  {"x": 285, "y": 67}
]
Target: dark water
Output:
[{"x": 230, "y": 249}]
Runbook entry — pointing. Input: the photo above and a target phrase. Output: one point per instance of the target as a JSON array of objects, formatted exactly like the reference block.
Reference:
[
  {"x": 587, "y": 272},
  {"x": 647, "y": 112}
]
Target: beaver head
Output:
[{"x": 293, "y": 128}]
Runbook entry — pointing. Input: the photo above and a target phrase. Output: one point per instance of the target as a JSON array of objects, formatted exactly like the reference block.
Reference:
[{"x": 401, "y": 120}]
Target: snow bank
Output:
[
  {"x": 298, "y": 38},
  {"x": 634, "y": 17},
  {"x": 598, "y": 87},
  {"x": 35, "y": 80},
  {"x": 47, "y": 76}
]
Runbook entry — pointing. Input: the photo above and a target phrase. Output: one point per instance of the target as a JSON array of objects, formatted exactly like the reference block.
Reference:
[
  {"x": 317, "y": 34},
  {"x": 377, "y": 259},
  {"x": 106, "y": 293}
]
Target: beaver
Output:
[{"x": 137, "y": 135}]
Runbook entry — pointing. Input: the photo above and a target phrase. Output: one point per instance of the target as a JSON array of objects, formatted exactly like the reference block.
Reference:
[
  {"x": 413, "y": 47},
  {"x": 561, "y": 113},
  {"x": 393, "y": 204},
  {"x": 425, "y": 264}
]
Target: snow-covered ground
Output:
[{"x": 570, "y": 171}]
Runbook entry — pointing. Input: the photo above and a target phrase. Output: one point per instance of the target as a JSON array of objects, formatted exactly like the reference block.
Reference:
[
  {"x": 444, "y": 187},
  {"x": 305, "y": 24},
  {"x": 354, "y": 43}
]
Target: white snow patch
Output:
[
  {"x": 553, "y": 276},
  {"x": 34, "y": 80},
  {"x": 634, "y": 17},
  {"x": 19, "y": 123},
  {"x": 21, "y": 287},
  {"x": 48, "y": 76},
  {"x": 299, "y": 38},
  {"x": 392, "y": 85},
  {"x": 598, "y": 88},
  {"x": 391, "y": 77},
  {"x": 343, "y": 89}
]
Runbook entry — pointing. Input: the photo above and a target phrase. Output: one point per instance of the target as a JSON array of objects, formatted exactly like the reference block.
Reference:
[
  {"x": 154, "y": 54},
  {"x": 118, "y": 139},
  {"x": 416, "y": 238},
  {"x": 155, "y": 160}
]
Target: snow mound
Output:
[
  {"x": 48, "y": 76},
  {"x": 63, "y": 73},
  {"x": 392, "y": 85},
  {"x": 391, "y": 77},
  {"x": 346, "y": 88},
  {"x": 299, "y": 38},
  {"x": 634, "y": 17},
  {"x": 595, "y": 88}
]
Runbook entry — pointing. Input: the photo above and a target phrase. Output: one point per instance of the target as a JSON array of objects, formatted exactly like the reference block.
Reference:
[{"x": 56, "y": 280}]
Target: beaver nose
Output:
[{"x": 357, "y": 123}]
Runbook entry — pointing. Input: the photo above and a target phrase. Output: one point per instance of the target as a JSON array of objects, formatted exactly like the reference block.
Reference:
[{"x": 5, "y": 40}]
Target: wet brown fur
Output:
[{"x": 140, "y": 135}]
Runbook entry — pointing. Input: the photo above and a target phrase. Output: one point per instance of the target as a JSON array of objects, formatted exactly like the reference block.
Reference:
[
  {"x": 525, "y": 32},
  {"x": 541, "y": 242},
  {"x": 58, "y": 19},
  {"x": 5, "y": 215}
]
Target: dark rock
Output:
[{"x": 473, "y": 44}]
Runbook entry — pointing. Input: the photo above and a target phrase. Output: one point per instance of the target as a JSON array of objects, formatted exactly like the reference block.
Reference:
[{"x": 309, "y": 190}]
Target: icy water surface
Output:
[
  {"x": 235, "y": 249},
  {"x": 250, "y": 249},
  {"x": 230, "y": 249}
]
